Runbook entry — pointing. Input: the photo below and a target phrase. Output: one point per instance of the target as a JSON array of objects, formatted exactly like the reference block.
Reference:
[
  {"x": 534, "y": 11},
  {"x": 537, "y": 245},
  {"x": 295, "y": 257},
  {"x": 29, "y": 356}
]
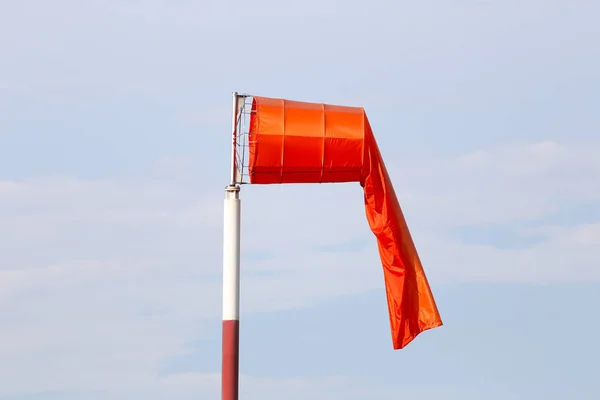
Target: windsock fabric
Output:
[{"x": 299, "y": 142}]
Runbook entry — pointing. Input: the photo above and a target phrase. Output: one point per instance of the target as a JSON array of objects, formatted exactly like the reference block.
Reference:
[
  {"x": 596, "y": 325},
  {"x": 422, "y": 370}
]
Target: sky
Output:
[{"x": 114, "y": 132}]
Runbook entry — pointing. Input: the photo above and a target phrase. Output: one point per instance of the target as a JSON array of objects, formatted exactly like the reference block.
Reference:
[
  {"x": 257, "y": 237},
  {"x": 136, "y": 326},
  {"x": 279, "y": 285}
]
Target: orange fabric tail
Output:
[{"x": 411, "y": 305}]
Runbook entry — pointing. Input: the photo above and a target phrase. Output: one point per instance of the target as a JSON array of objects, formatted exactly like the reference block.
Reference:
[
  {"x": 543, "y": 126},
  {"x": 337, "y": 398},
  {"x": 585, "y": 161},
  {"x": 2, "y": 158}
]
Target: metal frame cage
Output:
[{"x": 242, "y": 111}]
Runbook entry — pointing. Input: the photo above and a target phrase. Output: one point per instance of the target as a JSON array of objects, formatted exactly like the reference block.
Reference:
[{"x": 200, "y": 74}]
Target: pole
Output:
[
  {"x": 231, "y": 294},
  {"x": 231, "y": 278}
]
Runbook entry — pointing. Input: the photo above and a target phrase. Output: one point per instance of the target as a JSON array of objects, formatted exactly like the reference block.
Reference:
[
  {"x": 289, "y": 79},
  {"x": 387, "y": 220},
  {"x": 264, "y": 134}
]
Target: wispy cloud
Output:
[{"x": 134, "y": 255}]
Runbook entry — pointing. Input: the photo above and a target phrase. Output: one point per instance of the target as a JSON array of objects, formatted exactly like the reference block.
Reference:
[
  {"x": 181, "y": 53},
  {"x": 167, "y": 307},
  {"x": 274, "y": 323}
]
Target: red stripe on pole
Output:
[{"x": 231, "y": 356}]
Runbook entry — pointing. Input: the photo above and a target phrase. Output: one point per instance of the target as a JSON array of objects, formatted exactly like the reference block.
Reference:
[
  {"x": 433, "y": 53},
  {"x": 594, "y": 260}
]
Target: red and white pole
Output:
[
  {"x": 231, "y": 294},
  {"x": 231, "y": 277}
]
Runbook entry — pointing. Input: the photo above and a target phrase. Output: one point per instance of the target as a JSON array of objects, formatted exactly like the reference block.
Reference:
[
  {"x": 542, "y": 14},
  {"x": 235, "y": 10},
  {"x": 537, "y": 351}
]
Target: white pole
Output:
[{"x": 231, "y": 278}]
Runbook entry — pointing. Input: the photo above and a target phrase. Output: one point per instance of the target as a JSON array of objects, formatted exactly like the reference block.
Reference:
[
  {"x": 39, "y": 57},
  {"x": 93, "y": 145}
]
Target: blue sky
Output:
[{"x": 114, "y": 124}]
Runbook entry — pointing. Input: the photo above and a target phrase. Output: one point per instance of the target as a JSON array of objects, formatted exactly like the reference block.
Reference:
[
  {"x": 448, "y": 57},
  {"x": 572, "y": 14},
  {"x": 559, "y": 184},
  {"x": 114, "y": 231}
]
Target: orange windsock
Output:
[{"x": 298, "y": 142}]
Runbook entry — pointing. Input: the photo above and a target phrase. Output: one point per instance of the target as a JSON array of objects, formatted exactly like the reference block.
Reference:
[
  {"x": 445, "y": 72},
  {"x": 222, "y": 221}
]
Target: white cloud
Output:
[
  {"x": 570, "y": 254},
  {"x": 505, "y": 185},
  {"x": 93, "y": 274}
]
